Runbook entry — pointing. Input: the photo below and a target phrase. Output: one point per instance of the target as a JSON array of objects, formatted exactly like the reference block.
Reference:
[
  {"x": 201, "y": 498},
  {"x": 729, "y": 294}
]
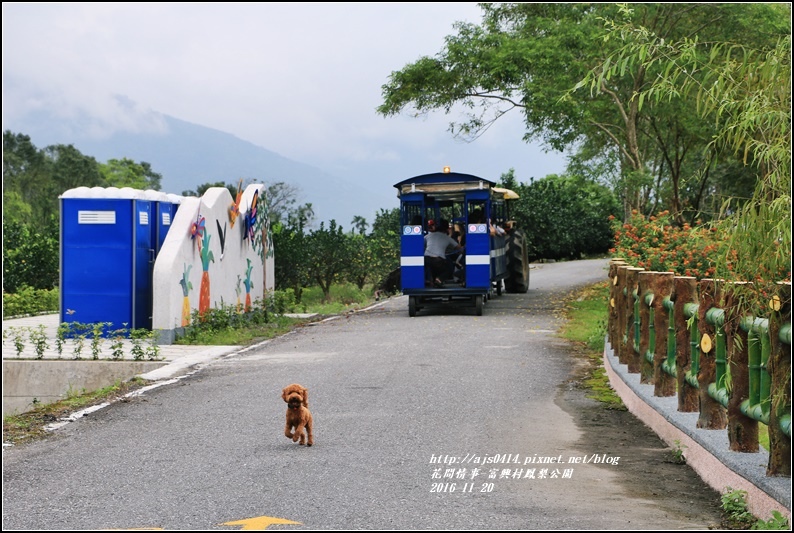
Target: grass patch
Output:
[
  {"x": 586, "y": 321},
  {"x": 240, "y": 335},
  {"x": 30, "y": 426},
  {"x": 343, "y": 297}
]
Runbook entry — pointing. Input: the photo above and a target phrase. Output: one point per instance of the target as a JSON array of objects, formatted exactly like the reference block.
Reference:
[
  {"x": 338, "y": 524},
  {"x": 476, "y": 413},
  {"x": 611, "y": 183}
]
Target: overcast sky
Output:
[{"x": 300, "y": 79}]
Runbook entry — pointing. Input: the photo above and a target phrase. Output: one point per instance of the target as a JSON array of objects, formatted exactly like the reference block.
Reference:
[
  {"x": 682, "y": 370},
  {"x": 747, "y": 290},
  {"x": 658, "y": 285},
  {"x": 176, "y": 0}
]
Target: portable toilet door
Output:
[
  {"x": 161, "y": 221},
  {"x": 106, "y": 257}
]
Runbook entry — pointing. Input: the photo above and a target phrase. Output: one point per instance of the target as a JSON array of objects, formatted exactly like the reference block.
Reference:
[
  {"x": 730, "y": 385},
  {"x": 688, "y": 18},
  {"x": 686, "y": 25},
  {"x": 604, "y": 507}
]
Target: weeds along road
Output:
[{"x": 442, "y": 421}]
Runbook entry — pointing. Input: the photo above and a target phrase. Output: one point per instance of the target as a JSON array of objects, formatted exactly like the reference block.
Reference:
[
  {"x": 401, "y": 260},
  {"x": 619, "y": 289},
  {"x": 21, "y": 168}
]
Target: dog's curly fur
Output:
[{"x": 298, "y": 415}]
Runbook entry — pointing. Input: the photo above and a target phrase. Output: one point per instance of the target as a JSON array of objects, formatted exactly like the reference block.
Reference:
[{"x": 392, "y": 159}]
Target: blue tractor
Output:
[{"x": 494, "y": 253}]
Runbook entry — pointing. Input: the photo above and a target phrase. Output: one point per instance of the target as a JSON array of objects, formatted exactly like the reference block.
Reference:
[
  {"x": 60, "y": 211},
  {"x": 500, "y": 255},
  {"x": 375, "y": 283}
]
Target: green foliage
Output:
[
  {"x": 33, "y": 180},
  {"x": 201, "y": 189},
  {"x": 564, "y": 217},
  {"x": 38, "y": 336},
  {"x": 361, "y": 258},
  {"x": 330, "y": 255},
  {"x": 280, "y": 302},
  {"x": 678, "y": 453},
  {"x": 342, "y": 297},
  {"x": 97, "y": 338},
  {"x": 127, "y": 173},
  {"x": 384, "y": 244},
  {"x": 743, "y": 87},
  {"x": 535, "y": 59},
  {"x": 227, "y": 326},
  {"x": 291, "y": 259},
  {"x": 30, "y": 301},
  {"x": 778, "y": 521},
  {"x": 30, "y": 256},
  {"x": 18, "y": 336},
  {"x": 738, "y": 515},
  {"x": 734, "y": 504}
]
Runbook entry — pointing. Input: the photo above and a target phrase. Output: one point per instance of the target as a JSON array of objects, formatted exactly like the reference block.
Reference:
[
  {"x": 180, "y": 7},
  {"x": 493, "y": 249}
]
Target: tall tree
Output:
[
  {"x": 359, "y": 224},
  {"x": 529, "y": 57},
  {"x": 746, "y": 92},
  {"x": 329, "y": 255},
  {"x": 127, "y": 173}
]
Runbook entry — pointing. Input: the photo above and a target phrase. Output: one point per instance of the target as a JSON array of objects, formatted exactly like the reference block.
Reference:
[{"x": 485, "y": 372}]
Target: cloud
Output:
[{"x": 300, "y": 79}]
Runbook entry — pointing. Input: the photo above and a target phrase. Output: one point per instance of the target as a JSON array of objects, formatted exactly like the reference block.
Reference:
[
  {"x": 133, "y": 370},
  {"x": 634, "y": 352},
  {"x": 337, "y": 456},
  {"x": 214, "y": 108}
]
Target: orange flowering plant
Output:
[{"x": 655, "y": 243}]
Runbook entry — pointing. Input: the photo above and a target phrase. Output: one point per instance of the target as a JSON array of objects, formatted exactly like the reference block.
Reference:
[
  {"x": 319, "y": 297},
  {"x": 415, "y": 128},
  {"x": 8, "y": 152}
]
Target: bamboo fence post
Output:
[
  {"x": 632, "y": 357},
  {"x": 684, "y": 291},
  {"x": 662, "y": 283},
  {"x": 742, "y": 430},
  {"x": 712, "y": 413},
  {"x": 621, "y": 302},
  {"x": 613, "y": 330},
  {"x": 780, "y": 370},
  {"x": 644, "y": 288}
]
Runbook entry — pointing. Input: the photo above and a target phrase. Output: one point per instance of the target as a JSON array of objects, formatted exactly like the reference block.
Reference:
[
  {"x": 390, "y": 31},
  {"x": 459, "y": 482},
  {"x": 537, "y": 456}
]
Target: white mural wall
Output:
[{"x": 217, "y": 253}]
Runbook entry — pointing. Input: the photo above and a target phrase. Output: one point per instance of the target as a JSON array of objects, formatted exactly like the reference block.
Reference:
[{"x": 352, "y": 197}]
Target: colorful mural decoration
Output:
[
  {"x": 234, "y": 209},
  {"x": 248, "y": 286},
  {"x": 239, "y": 291},
  {"x": 191, "y": 245},
  {"x": 221, "y": 236},
  {"x": 197, "y": 229},
  {"x": 187, "y": 286},
  {"x": 204, "y": 290},
  {"x": 251, "y": 218}
]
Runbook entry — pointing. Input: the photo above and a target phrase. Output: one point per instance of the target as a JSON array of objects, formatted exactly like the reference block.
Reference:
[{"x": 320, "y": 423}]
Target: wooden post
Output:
[
  {"x": 712, "y": 413},
  {"x": 645, "y": 288},
  {"x": 662, "y": 283},
  {"x": 742, "y": 430},
  {"x": 780, "y": 370},
  {"x": 684, "y": 291},
  {"x": 632, "y": 357},
  {"x": 612, "y": 329},
  {"x": 621, "y": 302}
]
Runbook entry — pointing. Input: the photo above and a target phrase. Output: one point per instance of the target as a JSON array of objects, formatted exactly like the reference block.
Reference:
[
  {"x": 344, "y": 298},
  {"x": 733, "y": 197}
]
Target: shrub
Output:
[
  {"x": 564, "y": 217},
  {"x": 656, "y": 244},
  {"x": 30, "y": 257},
  {"x": 30, "y": 301}
]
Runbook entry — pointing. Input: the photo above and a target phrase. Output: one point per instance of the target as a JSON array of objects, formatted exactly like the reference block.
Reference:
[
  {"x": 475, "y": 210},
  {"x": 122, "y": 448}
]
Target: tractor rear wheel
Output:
[{"x": 517, "y": 263}]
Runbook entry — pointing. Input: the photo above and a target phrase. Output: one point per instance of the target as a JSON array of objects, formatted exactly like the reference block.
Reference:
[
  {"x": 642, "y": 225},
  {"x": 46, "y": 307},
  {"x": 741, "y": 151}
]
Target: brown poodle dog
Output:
[{"x": 298, "y": 415}]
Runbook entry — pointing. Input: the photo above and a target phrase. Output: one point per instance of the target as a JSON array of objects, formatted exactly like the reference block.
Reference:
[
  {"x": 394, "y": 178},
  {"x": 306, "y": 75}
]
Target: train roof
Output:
[
  {"x": 443, "y": 182},
  {"x": 450, "y": 184}
]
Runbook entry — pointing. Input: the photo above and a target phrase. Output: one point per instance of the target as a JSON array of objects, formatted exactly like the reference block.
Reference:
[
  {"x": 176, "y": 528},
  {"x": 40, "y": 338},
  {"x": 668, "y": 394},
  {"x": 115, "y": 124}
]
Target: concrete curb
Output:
[{"x": 706, "y": 451}]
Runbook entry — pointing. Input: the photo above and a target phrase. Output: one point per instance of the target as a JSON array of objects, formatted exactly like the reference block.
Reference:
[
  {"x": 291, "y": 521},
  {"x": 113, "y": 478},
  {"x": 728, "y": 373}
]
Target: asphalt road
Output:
[{"x": 396, "y": 401}]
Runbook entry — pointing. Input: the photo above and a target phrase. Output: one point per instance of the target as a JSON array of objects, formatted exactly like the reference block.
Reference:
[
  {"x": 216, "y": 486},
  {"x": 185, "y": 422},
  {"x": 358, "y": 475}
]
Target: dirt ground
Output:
[{"x": 648, "y": 467}]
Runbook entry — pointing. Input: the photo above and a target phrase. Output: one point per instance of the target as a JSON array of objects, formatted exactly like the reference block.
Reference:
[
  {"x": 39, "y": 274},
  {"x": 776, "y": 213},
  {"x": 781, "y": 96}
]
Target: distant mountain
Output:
[{"x": 188, "y": 155}]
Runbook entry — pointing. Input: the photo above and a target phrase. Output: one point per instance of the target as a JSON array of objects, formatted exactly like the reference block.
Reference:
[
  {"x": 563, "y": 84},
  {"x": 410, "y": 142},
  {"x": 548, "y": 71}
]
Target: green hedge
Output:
[{"x": 30, "y": 301}]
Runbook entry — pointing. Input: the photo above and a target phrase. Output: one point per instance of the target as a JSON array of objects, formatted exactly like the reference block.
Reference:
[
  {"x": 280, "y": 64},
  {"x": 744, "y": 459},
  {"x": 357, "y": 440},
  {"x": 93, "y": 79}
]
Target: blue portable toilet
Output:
[
  {"x": 107, "y": 252},
  {"x": 161, "y": 207}
]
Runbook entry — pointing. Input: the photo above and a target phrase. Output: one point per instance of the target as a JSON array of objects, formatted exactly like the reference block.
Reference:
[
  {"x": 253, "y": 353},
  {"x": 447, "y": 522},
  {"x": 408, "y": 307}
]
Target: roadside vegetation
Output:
[
  {"x": 585, "y": 326},
  {"x": 31, "y": 425}
]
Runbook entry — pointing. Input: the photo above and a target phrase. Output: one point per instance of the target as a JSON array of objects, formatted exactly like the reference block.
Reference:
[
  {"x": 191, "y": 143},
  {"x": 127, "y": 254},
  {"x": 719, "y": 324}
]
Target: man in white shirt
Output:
[{"x": 437, "y": 242}]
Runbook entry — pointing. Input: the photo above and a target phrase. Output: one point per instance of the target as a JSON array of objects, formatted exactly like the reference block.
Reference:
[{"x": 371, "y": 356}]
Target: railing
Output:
[{"x": 687, "y": 338}]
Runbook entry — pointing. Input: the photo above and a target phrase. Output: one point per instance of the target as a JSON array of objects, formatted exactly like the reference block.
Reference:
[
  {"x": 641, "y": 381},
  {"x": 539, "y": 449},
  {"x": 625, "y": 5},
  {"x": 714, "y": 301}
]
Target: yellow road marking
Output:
[{"x": 259, "y": 523}]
